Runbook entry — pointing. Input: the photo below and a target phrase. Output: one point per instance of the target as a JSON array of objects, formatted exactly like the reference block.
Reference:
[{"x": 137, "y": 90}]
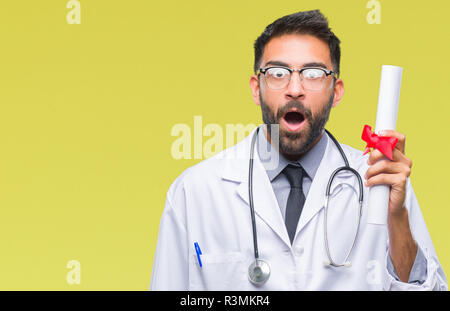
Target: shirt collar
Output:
[{"x": 274, "y": 162}]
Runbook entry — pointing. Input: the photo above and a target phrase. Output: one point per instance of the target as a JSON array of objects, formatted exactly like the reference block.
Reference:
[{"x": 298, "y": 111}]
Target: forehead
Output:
[{"x": 297, "y": 50}]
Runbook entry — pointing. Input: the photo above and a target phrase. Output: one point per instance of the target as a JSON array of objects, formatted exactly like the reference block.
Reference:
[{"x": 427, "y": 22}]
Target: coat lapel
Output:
[
  {"x": 264, "y": 200},
  {"x": 315, "y": 200}
]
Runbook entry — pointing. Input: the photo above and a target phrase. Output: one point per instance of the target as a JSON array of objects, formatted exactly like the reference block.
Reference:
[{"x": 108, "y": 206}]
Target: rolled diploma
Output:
[{"x": 388, "y": 98}]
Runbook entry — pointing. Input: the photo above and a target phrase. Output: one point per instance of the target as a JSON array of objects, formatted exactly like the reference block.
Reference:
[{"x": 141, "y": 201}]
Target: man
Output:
[{"x": 206, "y": 240}]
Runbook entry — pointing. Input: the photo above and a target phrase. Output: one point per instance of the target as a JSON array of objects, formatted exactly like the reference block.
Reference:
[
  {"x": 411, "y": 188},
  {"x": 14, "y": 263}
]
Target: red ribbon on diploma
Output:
[{"x": 384, "y": 144}]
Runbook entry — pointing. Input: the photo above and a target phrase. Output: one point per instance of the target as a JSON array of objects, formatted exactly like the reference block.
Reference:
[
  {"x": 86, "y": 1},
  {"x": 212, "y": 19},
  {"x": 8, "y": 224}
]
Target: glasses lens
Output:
[
  {"x": 277, "y": 78},
  {"x": 313, "y": 79}
]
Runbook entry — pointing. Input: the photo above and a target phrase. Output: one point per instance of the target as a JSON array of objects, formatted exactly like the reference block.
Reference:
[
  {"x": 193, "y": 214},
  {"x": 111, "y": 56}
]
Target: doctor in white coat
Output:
[{"x": 208, "y": 204}]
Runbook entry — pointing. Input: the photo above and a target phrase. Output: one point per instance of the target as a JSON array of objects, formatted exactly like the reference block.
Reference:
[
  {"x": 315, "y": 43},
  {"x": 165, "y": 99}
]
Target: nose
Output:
[{"x": 295, "y": 88}]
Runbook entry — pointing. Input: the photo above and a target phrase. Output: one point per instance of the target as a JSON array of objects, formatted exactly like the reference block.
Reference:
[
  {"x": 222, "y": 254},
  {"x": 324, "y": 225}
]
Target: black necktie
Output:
[{"x": 296, "y": 198}]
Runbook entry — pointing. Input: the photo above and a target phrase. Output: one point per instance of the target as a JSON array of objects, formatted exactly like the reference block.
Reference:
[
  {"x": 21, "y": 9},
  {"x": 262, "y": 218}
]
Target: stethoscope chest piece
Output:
[{"x": 258, "y": 272}]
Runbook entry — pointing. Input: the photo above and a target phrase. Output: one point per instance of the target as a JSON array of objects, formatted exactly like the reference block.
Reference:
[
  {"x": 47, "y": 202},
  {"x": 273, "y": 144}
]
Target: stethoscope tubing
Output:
[{"x": 250, "y": 195}]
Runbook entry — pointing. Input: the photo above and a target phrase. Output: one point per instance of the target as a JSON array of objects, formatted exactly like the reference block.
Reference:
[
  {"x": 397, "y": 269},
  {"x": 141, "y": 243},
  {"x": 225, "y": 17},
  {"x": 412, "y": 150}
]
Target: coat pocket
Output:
[{"x": 219, "y": 271}]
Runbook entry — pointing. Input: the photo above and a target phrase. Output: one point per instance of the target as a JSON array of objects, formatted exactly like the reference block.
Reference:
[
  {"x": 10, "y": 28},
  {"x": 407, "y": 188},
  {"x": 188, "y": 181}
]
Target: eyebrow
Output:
[{"x": 280, "y": 63}]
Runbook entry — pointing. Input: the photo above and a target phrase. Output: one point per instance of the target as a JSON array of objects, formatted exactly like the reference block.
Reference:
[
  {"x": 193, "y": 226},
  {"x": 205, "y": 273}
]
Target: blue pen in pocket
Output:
[{"x": 199, "y": 252}]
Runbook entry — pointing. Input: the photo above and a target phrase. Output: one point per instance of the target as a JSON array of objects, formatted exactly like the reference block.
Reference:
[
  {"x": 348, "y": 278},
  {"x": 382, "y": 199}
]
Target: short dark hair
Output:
[{"x": 308, "y": 23}]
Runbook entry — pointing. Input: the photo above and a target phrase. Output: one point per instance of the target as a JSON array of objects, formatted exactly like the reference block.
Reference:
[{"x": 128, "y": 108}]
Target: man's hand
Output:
[{"x": 395, "y": 173}]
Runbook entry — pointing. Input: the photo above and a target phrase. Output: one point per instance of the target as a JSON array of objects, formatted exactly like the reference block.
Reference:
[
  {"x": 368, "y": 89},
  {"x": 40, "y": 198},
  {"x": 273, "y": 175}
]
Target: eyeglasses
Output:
[{"x": 312, "y": 78}]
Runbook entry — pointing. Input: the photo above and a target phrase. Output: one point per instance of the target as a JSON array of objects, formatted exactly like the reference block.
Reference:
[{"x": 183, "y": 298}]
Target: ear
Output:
[
  {"x": 338, "y": 92},
  {"x": 254, "y": 86}
]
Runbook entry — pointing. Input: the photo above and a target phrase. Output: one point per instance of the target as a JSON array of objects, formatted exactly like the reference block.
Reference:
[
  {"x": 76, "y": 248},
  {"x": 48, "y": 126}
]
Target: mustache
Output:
[{"x": 294, "y": 104}]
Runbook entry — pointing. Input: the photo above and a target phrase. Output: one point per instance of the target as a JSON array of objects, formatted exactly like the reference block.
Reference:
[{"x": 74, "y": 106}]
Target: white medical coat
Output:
[{"x": 208, "y": 204}]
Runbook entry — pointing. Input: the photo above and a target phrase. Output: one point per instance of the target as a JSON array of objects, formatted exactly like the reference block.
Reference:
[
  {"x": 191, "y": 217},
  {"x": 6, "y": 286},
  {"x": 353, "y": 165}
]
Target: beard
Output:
[{"x": 294, "y": 144}]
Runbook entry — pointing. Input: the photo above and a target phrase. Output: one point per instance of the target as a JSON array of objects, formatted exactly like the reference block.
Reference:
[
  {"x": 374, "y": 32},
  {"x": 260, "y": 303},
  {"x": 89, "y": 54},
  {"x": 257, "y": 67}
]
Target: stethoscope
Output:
[{"x": 259, "y": 270}]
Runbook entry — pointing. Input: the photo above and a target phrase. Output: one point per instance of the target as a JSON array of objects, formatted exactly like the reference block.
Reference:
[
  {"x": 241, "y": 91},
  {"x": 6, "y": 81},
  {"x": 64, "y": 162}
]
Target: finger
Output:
[
  {"x": 397, "y": 156},
  {"x": 401, "y": 138},
  {"x": 388, "y": 167},
  {"x": 386, "y": 179},
  {"x": 374, "y": 156}
]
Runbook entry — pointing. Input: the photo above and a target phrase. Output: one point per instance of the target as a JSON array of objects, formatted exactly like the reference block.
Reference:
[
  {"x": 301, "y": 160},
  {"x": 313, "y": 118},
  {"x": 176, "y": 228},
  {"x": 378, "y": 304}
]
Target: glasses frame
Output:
[{"x": 326, "y": 71}]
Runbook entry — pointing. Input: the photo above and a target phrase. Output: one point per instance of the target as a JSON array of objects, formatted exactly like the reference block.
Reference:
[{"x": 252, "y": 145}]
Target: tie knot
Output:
[{"x": 294, "y": 174}]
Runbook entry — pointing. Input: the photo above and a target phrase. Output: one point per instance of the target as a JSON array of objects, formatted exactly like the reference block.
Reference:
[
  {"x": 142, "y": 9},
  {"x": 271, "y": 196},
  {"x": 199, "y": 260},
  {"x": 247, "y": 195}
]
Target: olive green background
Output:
[{"x": 86, "y": 112}]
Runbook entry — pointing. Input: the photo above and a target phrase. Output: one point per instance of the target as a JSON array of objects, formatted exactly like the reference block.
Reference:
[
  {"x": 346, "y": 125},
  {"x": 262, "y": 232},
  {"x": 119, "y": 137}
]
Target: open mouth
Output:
[{"x": 293, "y": 120}]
